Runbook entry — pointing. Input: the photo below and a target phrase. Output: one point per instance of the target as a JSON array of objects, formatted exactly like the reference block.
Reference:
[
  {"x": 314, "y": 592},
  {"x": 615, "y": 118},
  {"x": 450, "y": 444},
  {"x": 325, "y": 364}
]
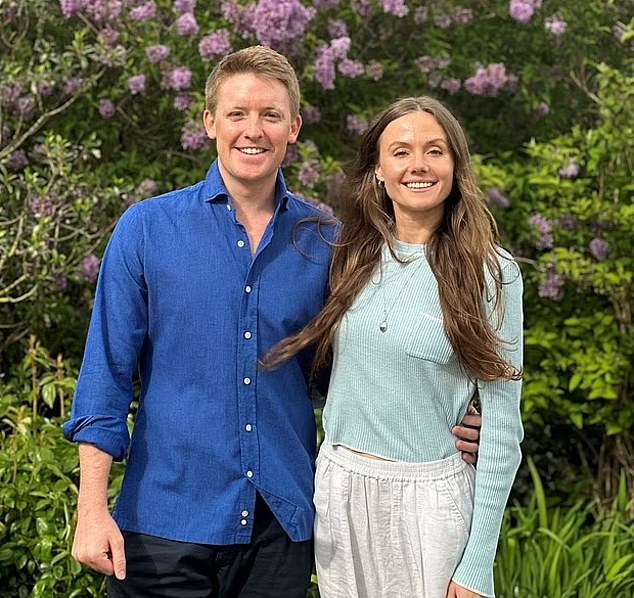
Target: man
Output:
[{"x": 194, "y": 287}]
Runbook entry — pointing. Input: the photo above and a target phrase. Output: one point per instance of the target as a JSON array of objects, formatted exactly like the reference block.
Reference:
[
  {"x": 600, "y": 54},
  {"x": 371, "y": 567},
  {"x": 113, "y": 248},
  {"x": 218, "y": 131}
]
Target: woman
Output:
[{"x": 425, "y": 311}]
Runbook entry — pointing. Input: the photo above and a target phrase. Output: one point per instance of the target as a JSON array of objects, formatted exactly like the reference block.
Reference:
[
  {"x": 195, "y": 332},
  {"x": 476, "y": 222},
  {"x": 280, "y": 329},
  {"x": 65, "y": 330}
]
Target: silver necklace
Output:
[{"x": 386, "y": 309}]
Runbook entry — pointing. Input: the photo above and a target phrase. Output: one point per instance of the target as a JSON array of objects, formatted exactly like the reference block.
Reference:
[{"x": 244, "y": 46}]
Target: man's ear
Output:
[
  {"x": 296, "y": 126},
  {"x": 210, "y": 124}
]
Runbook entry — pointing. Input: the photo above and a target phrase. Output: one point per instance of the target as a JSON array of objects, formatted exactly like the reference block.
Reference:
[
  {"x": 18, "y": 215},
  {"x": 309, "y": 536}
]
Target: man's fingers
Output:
[
  {"x": 99, "y": 561},
  {"x": 118, "y": 557},
  {"x": 472, "y": 420},
  {"x": 466, "y": 447},
  {"x": 468, "y": 458},
  {"x": 463, "y": 433}
]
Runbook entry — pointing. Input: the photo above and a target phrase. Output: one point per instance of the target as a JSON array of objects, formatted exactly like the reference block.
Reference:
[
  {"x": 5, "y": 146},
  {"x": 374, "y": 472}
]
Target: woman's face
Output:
[{"x": 417, "y": 166}]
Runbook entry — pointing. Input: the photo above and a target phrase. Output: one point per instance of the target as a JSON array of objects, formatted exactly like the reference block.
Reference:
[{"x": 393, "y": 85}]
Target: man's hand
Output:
[
  {"x": 99, "y": 544},
  {"x": 468, "y": 435},
  {"x": 456, "y": 591}
]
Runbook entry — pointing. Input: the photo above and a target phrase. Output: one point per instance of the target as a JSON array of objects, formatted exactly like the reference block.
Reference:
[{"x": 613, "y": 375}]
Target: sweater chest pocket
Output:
[{"x": 427, "y": 340}]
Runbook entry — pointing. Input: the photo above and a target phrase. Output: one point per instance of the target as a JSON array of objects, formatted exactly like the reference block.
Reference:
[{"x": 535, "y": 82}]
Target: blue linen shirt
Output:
[{"x": 182, "y": 301}]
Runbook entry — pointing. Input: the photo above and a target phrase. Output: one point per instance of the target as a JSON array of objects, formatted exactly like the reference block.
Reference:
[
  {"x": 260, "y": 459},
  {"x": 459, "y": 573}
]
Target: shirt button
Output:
[
  {"x": 243, "y": 522},
  {"x": 245, "y": 513},
  {"x": 249, "y": 474},
  {"x": 240, "y": 243},
  {"x": 247, "y": 335},
  {"x": 248, "y": 428},
  {"x": 247, "y": 381},
  {"x": 229, "y": 207},
  {"x": 247, "y": 289}
]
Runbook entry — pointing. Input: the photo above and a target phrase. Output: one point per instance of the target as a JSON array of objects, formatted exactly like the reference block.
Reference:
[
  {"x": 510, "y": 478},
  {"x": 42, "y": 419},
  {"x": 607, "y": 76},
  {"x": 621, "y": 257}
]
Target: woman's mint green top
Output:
[{"x": 397, "y": 394}]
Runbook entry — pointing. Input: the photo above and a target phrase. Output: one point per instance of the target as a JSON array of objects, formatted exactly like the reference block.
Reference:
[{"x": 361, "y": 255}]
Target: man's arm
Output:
[
  {"x": 98, "y": 541},
  {"x": 468, "y": 435}
]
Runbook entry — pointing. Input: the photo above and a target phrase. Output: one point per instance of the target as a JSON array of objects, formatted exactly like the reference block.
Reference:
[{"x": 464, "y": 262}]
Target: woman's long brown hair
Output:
[{"x": 459, "y": 251}]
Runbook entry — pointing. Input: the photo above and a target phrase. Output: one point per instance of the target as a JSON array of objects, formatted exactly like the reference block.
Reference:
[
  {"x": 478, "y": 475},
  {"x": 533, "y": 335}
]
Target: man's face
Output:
[{"x": 252, "y": 126}]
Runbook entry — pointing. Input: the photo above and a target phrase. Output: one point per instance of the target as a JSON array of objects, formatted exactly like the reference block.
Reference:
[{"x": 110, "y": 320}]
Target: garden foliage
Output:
[{"x": 100, "y": 105}]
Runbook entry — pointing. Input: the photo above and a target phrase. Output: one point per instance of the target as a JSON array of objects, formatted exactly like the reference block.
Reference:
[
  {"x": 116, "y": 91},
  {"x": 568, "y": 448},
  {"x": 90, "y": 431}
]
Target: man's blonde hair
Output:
[{"x": 259, "y": 60}]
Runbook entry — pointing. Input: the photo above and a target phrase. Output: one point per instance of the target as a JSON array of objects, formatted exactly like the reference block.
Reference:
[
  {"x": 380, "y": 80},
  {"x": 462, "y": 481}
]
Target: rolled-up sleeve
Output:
[{"x": 116, "y": 335}]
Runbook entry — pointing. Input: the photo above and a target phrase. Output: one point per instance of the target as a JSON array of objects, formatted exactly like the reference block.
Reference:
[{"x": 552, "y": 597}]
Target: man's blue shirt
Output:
[{"x": 182, "y": 301}]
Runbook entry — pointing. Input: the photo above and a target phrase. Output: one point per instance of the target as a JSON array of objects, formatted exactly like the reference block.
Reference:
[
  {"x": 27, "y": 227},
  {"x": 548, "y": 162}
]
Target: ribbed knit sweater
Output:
[{"x": 397, "y": 394}]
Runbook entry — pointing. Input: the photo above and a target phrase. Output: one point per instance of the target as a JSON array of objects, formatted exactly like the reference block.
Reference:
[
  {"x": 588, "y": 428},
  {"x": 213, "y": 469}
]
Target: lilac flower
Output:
[
  {"x": 363, "y": 8},
  {"x": 434, "y": 79},
  {"x": 183, "y": 6},
  {"x": 568, "y": 222},
  {"x": 292, "y": 155},
  {"x": 599, "y": 248},
  {"x": 102, "y": 11},
  {"x": 311, "y": 115},
  {"x": 356, "y": 125},
  {"x": 556, "y": 25},
  {"x": 73, "y": 85},
  {"x": 183, "y": 102},
  {"x": 551, "y": 285},
  {"x": 374, "y": 70},
  {"x": 42, "y": 208},
  {"x": 542, "y": 109},
  {"x": 71, "y": 7},
  {"x": 136, "y": 84},
  {"x": 308, "y": 175},
  {"x": 60, "y": 283},
  {"x": 146, "y": 188},
  {"x": 522, "y": 10},
  {"x": 425, "y": 63},
  {"x": 106, "y": 109},
  {"x": 442, "y": 21},
  {"x": 462, "y": 16},
  {"x": 109, "y": 36},
  {"x": 279, "y": 23},
  {"x": 17, "y": 160},
  {"x": 398, "y": 8},
  {"x": 214, "y": 44},
  {"x": 45, "y": 88},
  {"x": 351, "y": 68},
  {"x": 179, "y": 78},
  {"x": 421, "y": 15},
  {"x": 498, "y": 199},
  {"x": 26, "y": 107},
  {"x": 570, "y": 171},
  {"x": 451, "y": 85},
  {"x": 89, "y": 267},
  {"x": 340, "y": 46},
  {"x": 545, "y": 229},
  {"x": 157, "y": 53},
  {"x": 488, "y": 81},
  {"x": 194, "y": 137},
  {"x": 145, "y": 12},
  {"x": 325, "y": 67},
  {"x": 9, "y": 94},
  {"x": 337, "y": 28},
  {"x": 186, "y": 25}
]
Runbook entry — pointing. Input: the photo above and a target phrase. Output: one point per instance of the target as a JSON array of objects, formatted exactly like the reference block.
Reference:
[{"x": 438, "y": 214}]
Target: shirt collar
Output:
[{"x": 214, "y": 189}]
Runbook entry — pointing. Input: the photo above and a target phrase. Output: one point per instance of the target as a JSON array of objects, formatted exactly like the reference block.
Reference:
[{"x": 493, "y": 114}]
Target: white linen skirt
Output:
[{"x": 389, "y": 529}]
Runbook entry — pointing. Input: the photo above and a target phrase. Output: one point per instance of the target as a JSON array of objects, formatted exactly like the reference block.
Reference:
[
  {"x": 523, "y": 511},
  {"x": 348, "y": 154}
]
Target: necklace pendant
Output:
[{"x": 383, "y": 326}]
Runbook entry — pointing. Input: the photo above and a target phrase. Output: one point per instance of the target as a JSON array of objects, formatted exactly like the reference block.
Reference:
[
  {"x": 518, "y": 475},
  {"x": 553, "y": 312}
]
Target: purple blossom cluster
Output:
[
  {"x": 599, "y": 248},
  {"x": 311, "y": 115},
  {"x": 568, "y": 222},
  {"x": 498, "y": 199},
  {"x": 136, "y": 84},
  {"x": 337, "y": 28},
  {"x": 186, "y": 25},
  {"x": 398, "y": 8},
  {"x": 522, "y": 11},
  {"x": 326, "y": 58},
  {"x": 109, "y": 36},
  {"x": 157, "y": 53},
  {"x": 146, "y": 188},
  {"x": 178, "y": 79},
  {"x": 184, "y": 102},
  {"x": 544, "y": 228},
  {"x": 73, "y": 85},
  {"x": 555, "y": 25},
  {"x": 89, "y": 268},
  {"x": 308, "y": 174},
  {"x": 183, "y": 6},
  {"x": 145, "y": 12},
  {"x": 551, "y": 286},
  {"x": 106, "y": 108},
  {"x": 351, "y": 68},
  {"x": 214, "y": 44},
  {"x": 489, "y": 80},
  {"x": 194, "y": 137},
  {"x": 569, "y": 171},
  {"x": 43, "y": 207},
  {"x": 451, "y": 85},
  {"x": 374, "y": 70},
  {"x": 291, "y": 156},
  {"x": 542, "y": 109},
  {"x": 426, "y": 63},
  {"x": 45, "y": 88},
  {"x": 17, "y": 160},
  {"x": 356, "y": 125},
  {"x": 71, "y": 7},
  {"x": 280, "y": 23},
  {"x": 103, "y": 11}
]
